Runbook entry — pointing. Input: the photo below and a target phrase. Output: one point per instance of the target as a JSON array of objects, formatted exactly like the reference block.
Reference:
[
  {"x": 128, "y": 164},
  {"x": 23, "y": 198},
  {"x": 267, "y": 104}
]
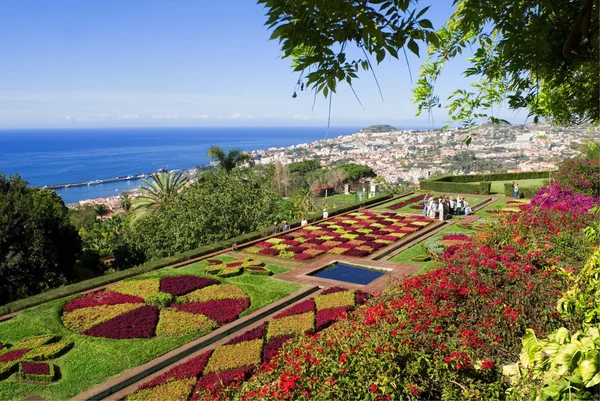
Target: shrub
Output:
[
  {"x": 160, "y": 300},
  {"x": 421, "y": 258}
]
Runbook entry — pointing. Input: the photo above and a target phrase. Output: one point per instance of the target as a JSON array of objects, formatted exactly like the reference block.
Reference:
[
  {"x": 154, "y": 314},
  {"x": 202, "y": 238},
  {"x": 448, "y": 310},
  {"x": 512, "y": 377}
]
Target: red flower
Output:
[
  {"x": 373, "y": 388},
  {"x": 487, "y": 364}
]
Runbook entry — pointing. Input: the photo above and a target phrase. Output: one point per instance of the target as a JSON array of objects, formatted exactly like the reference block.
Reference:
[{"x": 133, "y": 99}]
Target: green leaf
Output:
[
  {"x": 425, "y": 23},
  {"x": 413, "y": 47}
]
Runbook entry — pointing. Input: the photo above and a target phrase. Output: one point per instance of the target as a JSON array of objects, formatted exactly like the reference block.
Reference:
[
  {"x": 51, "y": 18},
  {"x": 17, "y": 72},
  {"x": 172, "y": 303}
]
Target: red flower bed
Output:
[
  {"x": 303, "y": 256},
  {"x": 327, "y": 316},
  {"x": 234, "y": 264},
  {"x": 192, "y": 368},
  {"x": 250, "y": 335},
  {"x": 139, "y": 323},
  {"x": 215, "y": 381},
  {"x": 299, "y": 308},
  {"x": 180, "y": 285},
  {"x": 221, "y": 310},
  {"x": 457, "y": 237},
  {"x": 101, "y": 298},
  {"x": 214, "y": 261},
  {"x": 406, "y": 202},
  {"x": 35, "y": 368},
  {"x": 15, "y": 355},
  {"x": 269, "y": 251},
  {"x": 270, "y": 349},
  {"x": 331, "y": 290},
  {"x": 356, "y": 253}
]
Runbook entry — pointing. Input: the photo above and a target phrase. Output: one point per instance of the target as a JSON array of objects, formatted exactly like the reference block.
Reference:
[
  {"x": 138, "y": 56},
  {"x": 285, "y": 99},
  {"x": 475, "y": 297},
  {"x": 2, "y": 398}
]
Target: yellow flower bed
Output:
[
  {"x": 295, "y": 324},
  {"x": 178, "y": 390},
  {"x": 173, "y": 322},
  {"x": 223, "y": 291},
  {"x": 233, "y": 356},
  {"x": 82, "y": 319},
  {"x": 138, "y": 288},
  {"x": 335, "y": 300}
]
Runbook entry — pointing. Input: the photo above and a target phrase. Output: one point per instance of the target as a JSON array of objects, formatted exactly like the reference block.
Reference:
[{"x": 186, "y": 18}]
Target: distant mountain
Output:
[{"x": 380, "y": 128}]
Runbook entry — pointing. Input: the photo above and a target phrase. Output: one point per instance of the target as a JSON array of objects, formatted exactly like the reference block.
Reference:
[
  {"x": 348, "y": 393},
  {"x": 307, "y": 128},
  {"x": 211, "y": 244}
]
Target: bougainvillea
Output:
[
  {"x": 201, "y": 305},
  {"x": 235, "y": 361}
]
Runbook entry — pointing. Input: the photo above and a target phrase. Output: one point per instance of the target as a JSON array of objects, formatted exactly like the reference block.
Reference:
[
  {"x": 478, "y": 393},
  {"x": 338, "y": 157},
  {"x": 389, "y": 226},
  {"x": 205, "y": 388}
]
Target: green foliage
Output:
[
  {"x": 354, "y": 172},
  {"x": 160, "y": 299},
  {"x": 38, "y": 244},
  {"x": 161, "y": 193},
  {"x": 304, "y": 167},
  {"x": 318, "y": 35},
  {"x": 83, "y": 217},
  {"x": 230, "y": 160},
  {"x": 524, "y": 192},
  {"x": 220, "y": 206},
  {"x": 539, "y": 56},
  {"x": 479, "y": 183}
]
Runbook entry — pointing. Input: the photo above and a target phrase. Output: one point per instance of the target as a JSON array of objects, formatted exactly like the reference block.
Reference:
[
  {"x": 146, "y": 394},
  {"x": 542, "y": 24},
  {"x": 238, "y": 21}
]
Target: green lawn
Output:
[
  {"x": 420, "y": 250},
  {"x": 497, "y": 205},
  {"x": 94, "y": 360},
  {"x": 498, "y": 186}
]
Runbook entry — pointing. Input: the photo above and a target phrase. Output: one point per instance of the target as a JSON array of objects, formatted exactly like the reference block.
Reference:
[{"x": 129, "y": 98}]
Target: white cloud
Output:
[
  {"x": 200, "y": 116},
  {"x": 165, "y": 116},
  {"x": 235, "y": 116},
  {"x": 103, "y": 115},
  {"x": 129, "y": 117},
  {"x": 68, "y": 117}
]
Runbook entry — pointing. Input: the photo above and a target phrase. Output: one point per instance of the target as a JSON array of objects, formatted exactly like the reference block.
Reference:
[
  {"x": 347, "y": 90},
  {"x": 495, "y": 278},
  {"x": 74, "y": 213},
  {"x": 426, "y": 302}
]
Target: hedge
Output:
[
  {"x": 86, "y": 285},
  {"x": 524, "y": 192},
  {"x": 466, "y": 183},
  {"x": 482, "y": 188}
]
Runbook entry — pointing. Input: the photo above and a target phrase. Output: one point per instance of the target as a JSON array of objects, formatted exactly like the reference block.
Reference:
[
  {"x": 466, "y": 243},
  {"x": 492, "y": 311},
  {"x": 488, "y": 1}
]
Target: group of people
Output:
[
  {"x": 284, "y": 227},
  {"x": 445, "y": 206}
]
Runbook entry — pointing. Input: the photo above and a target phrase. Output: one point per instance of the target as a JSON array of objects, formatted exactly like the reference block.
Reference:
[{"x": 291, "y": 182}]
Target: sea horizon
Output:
[{"x": 61, "y": 156}]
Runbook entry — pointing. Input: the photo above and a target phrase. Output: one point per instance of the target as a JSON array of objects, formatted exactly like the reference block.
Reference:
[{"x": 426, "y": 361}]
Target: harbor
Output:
[{"x": 104, "y": 181}]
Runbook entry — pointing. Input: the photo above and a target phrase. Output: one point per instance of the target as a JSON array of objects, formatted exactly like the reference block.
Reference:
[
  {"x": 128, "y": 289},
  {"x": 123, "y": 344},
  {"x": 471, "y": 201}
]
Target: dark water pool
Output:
[{"x": 348, "y": 273}]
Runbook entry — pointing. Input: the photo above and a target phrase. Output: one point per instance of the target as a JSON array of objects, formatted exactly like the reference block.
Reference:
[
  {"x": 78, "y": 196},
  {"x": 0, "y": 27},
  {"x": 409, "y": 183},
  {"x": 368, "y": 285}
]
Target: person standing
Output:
[
  {"x": 432, "y": 208},
  {"x": 275, "y": 228},
  {"x": 286, "y": 226},
  {"x": 516, "y": 190},
  {"x": 425, "y": 203},
  {"x": 303, "y": 222},
  {"x": 325, "y": 214},
  {"x": 441, "y": 209}
]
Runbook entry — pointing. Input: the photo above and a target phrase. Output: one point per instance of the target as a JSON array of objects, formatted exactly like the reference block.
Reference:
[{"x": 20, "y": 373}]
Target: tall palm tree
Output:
[
  {"x": 230, "y": 160},
  {"x": 125, "y": 201},
  {"x": 101, "y": 210},
  {"x": 159, "y": 193}
]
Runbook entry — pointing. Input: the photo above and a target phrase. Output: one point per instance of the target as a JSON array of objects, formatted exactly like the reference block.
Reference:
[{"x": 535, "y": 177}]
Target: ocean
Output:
[{"x": 61, "y": 156}]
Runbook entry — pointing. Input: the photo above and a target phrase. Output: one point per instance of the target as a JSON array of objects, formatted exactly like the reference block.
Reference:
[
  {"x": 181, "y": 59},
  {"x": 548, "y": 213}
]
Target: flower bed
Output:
[
  {"x": 235, "y": 361},
  {"x": 357, "y": 234},
  {"x": 171, "y": 306},
  {"x": 25, "y": 358},
  {"x": 406, "y": 202}
]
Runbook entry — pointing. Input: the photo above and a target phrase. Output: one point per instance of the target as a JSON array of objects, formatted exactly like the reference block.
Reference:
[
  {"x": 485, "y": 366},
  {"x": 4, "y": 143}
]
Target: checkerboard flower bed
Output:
[
  {"x": 173, "y": 306},
  {"x": 240, "y": 356},
  {"x": 25, "y": 358},
  {"x": 337, "y": 236}
]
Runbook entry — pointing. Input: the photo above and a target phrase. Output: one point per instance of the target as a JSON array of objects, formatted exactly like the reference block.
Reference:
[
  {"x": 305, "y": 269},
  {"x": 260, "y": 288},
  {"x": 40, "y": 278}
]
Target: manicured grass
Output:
[
  {"x": 420, "y": 250},
  {"x": 340, "y": 198},
  {"x": 94, "y": 360},
  {"x": 498, "y": 186},
  {"x": 497, "y": 205}
]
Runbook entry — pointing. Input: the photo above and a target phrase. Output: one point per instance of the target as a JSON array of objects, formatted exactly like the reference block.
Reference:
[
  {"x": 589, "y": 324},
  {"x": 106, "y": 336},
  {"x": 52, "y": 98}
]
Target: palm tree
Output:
[
  {"x": 230, "y": 160},
  {"x": 159, "y": 193},
  {"x": 101, "y": 210},
  {"x": 125, "y": 201}
]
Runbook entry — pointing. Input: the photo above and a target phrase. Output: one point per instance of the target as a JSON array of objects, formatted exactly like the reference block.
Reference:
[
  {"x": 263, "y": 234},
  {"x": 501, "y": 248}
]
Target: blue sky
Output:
[{"x": 73, "y": 63}]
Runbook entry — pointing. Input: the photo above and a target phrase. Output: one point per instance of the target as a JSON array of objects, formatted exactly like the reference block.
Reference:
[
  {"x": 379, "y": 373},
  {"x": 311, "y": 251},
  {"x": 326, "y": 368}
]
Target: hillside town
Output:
[{"x": 407, "y": 156}]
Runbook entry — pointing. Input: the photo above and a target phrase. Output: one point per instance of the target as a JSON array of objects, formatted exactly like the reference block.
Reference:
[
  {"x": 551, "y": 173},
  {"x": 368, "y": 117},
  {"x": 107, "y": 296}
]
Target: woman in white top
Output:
[
  {"x": 468, "y": 209},
  {"x": 441, "y": 209},
  {"x": 303, "y": 222},
  {"x": 431, "y": 208}
]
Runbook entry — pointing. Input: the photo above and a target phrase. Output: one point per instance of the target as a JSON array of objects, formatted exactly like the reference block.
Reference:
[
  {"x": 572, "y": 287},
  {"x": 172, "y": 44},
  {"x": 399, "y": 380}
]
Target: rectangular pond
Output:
[{"x": 348, "y": 273}]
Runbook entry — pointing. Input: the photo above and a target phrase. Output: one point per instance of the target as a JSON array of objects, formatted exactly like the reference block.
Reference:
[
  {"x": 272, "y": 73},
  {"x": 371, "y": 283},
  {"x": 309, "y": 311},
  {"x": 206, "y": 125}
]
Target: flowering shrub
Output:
[
  {"x": 201, "y": 305},
  {"x": 559, "y": 198},
  {"x": 234, "y": 362},
  {"x": 580, "y": 175}
]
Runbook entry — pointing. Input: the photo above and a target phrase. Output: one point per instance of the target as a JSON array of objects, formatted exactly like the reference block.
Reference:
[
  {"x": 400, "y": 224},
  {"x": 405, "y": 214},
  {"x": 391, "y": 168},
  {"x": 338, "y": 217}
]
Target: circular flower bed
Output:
[{"x": 155, "y": 307}]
